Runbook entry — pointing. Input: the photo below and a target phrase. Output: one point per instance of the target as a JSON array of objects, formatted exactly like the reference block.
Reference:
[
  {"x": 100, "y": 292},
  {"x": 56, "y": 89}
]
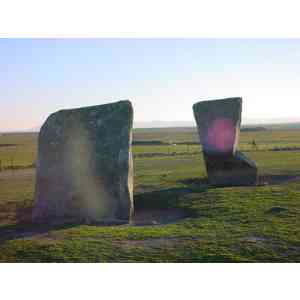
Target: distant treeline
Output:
[
  {"x": 154, "y": 142},
  {"x": 147, "y": 143},
  {"x": 250, "y": 129},
  {"x": 9, "y": 145}
]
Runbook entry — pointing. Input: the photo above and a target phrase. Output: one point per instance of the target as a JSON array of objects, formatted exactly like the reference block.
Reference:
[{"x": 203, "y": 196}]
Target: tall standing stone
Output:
[
  {"x": 84, "y": 167},
  {"x": 218, "y": 124}
]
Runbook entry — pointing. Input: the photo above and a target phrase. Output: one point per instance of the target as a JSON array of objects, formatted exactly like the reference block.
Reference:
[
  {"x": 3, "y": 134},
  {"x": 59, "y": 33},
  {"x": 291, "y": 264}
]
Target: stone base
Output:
[{"x": 235, "y": 170}]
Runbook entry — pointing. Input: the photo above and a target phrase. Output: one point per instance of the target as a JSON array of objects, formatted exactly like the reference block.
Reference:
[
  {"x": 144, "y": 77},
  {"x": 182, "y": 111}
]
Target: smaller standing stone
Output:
[{"x": 218, "y": 124}]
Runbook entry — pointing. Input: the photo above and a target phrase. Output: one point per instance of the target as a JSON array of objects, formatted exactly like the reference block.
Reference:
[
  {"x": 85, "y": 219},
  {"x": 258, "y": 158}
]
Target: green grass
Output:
[{"x": 236, "y": 224}]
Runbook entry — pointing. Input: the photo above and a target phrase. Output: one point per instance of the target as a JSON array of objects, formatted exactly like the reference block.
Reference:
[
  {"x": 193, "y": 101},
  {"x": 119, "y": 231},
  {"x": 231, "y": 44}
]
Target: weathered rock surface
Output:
[
  {"x": 84, "y": 167},
  {"x": 218, "y": 124}
]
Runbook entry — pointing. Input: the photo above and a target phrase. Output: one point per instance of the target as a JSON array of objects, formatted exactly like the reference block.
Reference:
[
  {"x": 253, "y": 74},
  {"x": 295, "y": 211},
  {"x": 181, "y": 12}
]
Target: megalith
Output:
[
  {"x": 218, "y": 124},
  {"x": 84, "y": 165}
]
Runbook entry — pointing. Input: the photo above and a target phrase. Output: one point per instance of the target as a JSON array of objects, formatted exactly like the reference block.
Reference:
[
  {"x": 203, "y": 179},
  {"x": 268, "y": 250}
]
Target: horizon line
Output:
[{"x": 161, "y": 127}]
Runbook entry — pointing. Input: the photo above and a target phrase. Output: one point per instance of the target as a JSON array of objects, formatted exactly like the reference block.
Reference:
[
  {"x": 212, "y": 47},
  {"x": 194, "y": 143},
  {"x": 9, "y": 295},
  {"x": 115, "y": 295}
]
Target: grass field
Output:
[{"x": 236, "y": 224}]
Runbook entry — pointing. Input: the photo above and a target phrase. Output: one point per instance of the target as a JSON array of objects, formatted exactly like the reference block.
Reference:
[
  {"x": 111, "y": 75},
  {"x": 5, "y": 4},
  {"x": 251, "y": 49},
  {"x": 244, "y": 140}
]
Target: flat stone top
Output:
[
  {"x": 227, "y": 106},
  {"x": 100, "y": 106},
  {"x": 124, "y": 106},
  {"x": 111, "y": 115}
]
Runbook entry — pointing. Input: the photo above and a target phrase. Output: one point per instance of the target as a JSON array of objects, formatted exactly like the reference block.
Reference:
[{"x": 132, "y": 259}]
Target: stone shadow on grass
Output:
[
  {"x": 27, "y": 230},
  {"x": 163, "y": 206},
  {"x": 195, "y": 182}
]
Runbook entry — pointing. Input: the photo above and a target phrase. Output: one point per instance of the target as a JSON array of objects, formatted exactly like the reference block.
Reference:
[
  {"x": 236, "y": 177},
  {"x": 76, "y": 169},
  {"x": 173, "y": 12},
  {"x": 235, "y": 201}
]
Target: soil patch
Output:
[
  {"x": 150, "y": 243},
  {"x": 167, "y": 242},
  {"x": 261, "y": 242}
]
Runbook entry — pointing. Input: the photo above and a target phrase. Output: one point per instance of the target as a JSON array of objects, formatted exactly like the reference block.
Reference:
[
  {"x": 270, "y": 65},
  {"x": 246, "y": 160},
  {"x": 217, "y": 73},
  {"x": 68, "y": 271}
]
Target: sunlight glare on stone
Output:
[{"x": 221, "y": 135}]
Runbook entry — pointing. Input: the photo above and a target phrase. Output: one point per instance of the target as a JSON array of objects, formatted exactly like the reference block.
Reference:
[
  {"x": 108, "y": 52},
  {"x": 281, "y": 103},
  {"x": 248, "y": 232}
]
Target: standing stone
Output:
[
  {"x": 218, "y": 124},
  {"x": 84, "y": 167}
]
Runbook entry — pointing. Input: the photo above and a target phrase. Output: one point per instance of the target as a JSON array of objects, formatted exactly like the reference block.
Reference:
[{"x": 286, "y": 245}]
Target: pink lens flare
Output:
[{"x": 221, "y": 136}]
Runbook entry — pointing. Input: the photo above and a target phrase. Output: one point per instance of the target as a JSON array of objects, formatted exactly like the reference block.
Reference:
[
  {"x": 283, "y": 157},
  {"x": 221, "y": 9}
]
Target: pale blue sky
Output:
[{"x": 162, "y": 77}]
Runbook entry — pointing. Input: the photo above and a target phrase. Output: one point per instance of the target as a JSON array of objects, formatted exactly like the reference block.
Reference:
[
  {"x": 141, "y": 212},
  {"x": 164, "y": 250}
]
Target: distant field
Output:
[
  {"x": 237, "y": 224},
  {"x": 21, "y": 149}
]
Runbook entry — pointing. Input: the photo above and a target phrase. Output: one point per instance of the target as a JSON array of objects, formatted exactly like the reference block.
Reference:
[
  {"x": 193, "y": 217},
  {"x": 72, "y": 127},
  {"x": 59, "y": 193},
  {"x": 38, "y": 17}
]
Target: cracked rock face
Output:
[
  {"x": 218, "y": 124},
  {"x": 84, "y": 166}
]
